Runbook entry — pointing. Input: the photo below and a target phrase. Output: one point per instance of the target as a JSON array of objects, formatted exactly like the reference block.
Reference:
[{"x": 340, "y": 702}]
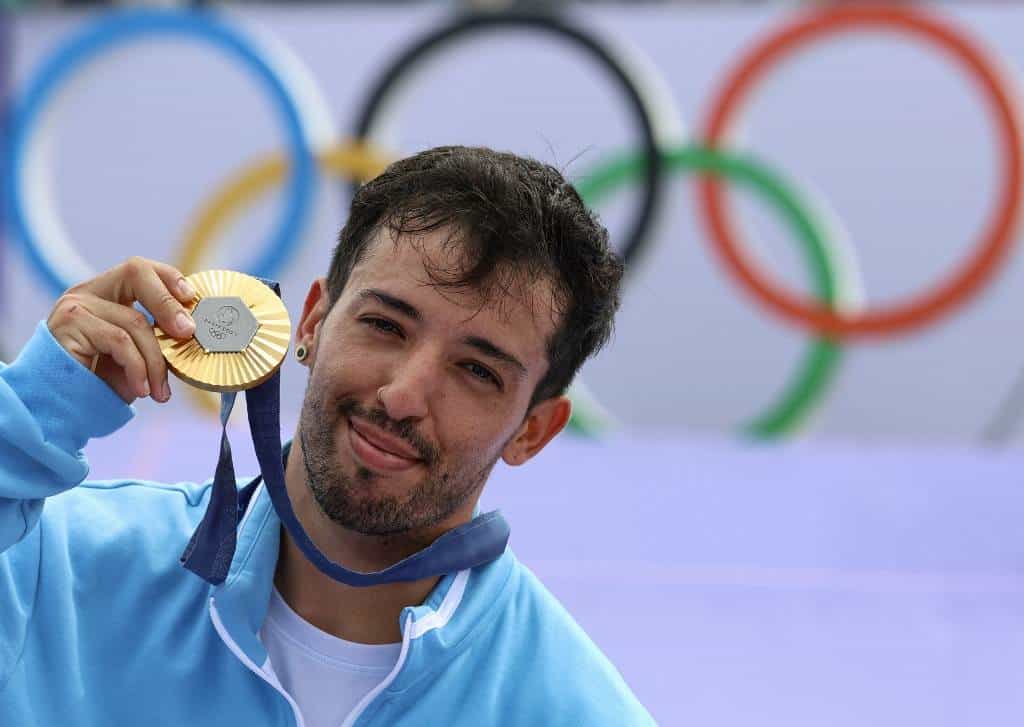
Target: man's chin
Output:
[{"x": 371, "y": 517}]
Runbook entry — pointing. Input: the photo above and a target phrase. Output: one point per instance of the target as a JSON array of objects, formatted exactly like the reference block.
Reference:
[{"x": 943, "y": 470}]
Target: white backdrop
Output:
[{"x": 886, "y": 133}]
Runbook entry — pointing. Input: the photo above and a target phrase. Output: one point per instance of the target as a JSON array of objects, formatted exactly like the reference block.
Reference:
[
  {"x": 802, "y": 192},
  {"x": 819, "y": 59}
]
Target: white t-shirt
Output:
[{"x": 325, "y": 675}]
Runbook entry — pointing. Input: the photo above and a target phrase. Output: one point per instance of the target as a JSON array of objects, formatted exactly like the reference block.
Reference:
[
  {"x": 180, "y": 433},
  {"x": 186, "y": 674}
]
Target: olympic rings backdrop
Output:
[{"x": 841, "y": 284}]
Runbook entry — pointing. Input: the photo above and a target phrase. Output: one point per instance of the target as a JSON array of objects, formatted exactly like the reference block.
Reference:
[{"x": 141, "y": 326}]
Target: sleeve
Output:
[{"x": 50, "y": 406}]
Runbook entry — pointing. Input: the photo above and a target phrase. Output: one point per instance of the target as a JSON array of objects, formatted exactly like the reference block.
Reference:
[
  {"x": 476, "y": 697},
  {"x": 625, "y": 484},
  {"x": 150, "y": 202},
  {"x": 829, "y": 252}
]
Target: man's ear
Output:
[
  {"x": 314, "y": 310},
  {"x": 544, "y": 421}
]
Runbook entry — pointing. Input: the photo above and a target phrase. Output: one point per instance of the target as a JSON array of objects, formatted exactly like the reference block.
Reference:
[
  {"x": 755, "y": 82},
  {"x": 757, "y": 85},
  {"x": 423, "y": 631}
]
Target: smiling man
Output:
[{"x": 467, "y": 288}]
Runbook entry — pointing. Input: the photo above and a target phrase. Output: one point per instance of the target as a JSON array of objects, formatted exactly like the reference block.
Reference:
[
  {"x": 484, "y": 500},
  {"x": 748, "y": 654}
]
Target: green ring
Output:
[
  {"x": 588, "y": 419},
  {"x": 806, "y": 389}
]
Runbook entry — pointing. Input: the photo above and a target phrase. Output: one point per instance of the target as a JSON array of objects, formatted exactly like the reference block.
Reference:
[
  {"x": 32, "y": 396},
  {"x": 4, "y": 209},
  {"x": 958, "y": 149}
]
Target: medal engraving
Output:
[
  {"x": 224, "y": 324},
  {"x": 241, "y": 337}
]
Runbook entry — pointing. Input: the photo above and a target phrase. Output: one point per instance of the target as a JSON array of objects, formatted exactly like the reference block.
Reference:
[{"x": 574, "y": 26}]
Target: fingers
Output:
[
  {"x": 174, "y": 281},
  {"x": 63, "y": 322},
  {"x": 149, "y": 288},
  {"x": 97, "y": 317},
  {"x": 139, "y": 328},
  {"x": 159, "y": 287},
  {"x": 107, "y": 338}
]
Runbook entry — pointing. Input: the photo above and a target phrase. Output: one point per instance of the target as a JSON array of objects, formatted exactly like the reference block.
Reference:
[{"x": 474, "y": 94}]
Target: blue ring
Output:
[{"x": 122, "y": 26}]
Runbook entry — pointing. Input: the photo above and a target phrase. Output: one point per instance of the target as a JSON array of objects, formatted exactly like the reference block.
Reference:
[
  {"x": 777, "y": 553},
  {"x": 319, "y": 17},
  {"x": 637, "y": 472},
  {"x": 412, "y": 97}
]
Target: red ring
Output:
[{"x": 994, "y": 244}]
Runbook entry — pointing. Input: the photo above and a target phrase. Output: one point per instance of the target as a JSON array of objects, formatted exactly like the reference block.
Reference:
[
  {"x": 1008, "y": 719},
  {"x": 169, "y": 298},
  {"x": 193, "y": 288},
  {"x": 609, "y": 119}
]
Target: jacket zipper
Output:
[
  {"x": 365, "y": 702},
  {"x": 270, "y": 679}
]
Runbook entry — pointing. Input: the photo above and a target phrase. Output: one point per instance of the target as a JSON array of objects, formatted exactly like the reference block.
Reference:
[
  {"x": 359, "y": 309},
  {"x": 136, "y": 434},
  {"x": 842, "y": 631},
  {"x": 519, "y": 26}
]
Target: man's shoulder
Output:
[{"x": 557, "y": 665}]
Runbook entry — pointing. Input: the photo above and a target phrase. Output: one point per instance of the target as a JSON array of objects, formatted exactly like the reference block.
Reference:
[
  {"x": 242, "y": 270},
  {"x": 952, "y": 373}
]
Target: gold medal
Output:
[{"x": 241, "y": 338}]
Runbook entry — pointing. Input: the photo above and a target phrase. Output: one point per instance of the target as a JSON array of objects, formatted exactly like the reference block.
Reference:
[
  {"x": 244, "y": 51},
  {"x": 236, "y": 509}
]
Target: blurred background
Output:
[{"x": 760, "y": 519}]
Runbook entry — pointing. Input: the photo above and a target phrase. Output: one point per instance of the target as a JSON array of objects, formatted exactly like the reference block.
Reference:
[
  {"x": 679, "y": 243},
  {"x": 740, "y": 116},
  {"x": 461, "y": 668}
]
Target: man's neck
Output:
[{"x": 368, "y": 614}]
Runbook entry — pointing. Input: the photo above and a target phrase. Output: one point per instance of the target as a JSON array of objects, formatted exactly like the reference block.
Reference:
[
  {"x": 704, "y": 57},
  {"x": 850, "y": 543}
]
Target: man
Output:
[{"x": 467, "y": 288}]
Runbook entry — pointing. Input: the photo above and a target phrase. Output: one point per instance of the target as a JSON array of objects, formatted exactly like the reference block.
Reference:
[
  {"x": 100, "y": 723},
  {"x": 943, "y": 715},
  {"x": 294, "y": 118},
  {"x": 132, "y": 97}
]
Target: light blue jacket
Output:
[{"x": 100, "y": 625}]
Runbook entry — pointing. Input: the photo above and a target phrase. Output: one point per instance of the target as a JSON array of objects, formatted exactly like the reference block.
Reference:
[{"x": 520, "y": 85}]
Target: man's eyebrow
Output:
[
  {"x": 406, "y": 309},
  {"x": 482, "y": 345},
  {"x": 489, "y": 349}
]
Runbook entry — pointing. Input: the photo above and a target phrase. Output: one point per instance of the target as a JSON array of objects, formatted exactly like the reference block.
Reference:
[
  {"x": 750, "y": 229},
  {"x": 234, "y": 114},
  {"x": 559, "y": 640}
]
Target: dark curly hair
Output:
[{"x": 515, "y": 221}]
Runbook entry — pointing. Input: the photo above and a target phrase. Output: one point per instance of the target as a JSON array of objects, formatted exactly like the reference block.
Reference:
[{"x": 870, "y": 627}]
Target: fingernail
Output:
[
  {"x": 145, "y": 388},
  {"x": 185, "y": 324},
  {"x": 165, "y": 391},
  {"x": 186, "y": 290}
]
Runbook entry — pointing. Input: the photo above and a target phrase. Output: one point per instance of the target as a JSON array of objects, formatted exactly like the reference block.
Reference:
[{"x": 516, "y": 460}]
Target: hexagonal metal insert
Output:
[{"x": 224, "y": 324}]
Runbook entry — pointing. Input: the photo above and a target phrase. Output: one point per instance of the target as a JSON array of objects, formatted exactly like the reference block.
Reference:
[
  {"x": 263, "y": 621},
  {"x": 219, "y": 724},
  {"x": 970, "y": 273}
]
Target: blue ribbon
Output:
[{"x": 212, "y": 546}]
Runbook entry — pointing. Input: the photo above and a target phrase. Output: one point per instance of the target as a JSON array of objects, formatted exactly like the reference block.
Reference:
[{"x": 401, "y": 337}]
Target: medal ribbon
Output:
[{"x": 212, "y": 546}]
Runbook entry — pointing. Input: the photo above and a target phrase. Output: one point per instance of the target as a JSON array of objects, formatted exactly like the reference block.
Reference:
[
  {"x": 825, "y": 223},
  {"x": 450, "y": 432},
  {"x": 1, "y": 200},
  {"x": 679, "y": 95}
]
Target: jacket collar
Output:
[{"x": 447, "y": 618}]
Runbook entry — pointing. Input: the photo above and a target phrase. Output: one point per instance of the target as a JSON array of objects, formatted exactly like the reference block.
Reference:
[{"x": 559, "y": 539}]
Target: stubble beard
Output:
[{"x": 352, "y": 500}]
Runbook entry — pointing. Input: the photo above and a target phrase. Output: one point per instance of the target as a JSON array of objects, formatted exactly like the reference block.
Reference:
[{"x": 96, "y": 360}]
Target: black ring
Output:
[{"x": 642, "y": 106}]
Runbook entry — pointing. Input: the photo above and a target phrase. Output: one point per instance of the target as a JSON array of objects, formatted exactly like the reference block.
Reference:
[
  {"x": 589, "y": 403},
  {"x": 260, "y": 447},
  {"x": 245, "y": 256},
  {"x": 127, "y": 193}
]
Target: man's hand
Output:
[{"x": 97, "y": 324}]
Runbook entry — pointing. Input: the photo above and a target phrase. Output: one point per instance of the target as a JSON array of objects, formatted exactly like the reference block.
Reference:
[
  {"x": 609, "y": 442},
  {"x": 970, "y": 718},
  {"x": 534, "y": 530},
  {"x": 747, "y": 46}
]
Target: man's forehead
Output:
[{"x": 430, "y": 262}]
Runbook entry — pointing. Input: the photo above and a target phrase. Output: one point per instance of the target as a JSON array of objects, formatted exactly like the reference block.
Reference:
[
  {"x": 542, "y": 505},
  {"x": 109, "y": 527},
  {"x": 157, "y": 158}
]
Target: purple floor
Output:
[{"x": 742, "y": 585}]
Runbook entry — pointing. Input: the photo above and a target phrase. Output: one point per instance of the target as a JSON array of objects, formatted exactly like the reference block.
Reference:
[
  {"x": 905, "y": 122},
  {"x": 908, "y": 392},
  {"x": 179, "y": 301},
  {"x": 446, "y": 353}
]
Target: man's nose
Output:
[{"x": 412, "y": 383}]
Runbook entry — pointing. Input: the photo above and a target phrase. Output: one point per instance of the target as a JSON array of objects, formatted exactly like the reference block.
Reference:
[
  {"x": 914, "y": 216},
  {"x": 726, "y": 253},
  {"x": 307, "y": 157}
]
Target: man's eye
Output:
[
  {"x": 383, "y": 325},
  {"x": 482, "y": 373}
]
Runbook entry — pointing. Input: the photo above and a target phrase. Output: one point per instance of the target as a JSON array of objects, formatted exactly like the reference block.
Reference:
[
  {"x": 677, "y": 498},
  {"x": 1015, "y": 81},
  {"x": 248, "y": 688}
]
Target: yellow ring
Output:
[{"x": 348, "y": 161}]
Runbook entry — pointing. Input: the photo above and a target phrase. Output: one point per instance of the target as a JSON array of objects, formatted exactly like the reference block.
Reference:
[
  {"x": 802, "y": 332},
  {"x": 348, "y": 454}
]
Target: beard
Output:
[{"x": 352, "y": 500}]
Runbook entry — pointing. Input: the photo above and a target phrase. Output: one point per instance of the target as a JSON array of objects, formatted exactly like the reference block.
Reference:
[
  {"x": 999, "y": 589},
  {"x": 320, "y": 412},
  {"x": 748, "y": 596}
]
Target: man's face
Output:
[{"x": 416, "y": 389}]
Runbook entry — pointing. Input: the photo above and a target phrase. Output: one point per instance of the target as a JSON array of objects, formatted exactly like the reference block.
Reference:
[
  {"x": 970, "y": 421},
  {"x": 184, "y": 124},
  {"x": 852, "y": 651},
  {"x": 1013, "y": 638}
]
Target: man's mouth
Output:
[{"x": 379, "y": 450}]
